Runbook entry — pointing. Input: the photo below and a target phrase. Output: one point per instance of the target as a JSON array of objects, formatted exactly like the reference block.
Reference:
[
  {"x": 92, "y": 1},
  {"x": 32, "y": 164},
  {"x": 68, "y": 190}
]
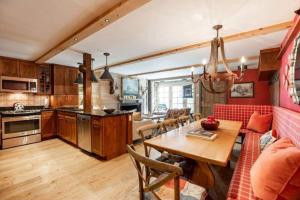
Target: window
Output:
[
  {"x": 163, "y": 96},
  {"x": 177, "y": 97},
  {"x": 170, "y": 95}
]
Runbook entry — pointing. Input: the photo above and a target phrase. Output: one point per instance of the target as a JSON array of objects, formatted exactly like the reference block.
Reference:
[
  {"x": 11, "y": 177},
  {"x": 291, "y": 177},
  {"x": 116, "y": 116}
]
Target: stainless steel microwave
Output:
[{"x": 16, "y": 84}]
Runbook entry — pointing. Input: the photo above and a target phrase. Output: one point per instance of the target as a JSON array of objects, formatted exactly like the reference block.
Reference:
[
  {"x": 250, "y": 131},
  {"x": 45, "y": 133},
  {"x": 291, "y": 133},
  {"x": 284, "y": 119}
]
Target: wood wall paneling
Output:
[{"x": 87, "y": 83}]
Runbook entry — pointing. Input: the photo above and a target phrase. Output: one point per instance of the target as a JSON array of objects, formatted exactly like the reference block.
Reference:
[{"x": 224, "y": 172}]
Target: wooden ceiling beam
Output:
[
  {"x": 229, "y": 38},
  {"x": 232, "y": 60},
  {"x": 290, "y": 37},
  {"x": 116, "y": 12}
]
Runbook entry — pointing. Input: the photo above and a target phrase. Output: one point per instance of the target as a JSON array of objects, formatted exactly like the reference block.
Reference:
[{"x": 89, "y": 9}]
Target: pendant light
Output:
[
  {"x": 93, "y": 77},
  {"x": 106, "y": 75},
  {"x": 79, "y": 79}
]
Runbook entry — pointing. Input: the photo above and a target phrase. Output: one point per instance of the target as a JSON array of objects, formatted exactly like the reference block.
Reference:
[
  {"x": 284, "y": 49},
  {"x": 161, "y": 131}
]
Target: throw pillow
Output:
[
  {"x": 276, "y": 173},
  {"x": 267, "y": 139},
  {"x": 260, "y": 123}
]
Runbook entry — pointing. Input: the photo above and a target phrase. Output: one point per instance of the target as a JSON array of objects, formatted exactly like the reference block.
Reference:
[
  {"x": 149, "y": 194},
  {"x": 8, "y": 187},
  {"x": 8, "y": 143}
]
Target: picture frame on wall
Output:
[
  {"x": 130, "y": 87},
  {"x": 242, "y": 90},
  {"x": 187, "y": 91}
]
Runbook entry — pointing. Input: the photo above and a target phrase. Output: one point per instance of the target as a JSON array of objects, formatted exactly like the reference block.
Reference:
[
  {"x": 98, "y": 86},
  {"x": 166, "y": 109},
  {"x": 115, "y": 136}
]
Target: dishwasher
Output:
[{"x": 84, "y": 132}]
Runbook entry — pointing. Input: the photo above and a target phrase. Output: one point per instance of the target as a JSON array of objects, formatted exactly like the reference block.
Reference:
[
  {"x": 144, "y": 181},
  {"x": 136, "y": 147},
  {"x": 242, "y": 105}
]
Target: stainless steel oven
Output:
[{"x": 20, "y": 130}]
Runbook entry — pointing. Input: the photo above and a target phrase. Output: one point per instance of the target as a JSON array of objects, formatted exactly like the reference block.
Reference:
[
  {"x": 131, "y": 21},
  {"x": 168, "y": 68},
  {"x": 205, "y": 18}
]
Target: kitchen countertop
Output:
[
  {"x": 76, "y": 110},
  {"x": 98, "y": 113}
]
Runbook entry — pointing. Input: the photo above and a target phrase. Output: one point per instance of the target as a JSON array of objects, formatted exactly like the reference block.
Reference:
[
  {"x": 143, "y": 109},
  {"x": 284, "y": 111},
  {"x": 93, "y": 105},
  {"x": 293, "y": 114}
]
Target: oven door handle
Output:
[{"x": 20, "y": 118}]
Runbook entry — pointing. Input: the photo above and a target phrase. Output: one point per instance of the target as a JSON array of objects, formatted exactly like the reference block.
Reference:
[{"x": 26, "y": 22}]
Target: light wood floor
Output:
[{"x": 55, "y": 170}]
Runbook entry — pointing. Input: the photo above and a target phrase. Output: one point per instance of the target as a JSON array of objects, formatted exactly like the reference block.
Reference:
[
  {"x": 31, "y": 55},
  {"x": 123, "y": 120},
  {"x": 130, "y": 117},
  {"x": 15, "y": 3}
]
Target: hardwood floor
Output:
[{"x": 55, "y": 170}]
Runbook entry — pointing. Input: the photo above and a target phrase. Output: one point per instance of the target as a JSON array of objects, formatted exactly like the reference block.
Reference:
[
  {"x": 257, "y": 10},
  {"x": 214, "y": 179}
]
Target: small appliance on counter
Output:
[{"x": 20, "y": 126}]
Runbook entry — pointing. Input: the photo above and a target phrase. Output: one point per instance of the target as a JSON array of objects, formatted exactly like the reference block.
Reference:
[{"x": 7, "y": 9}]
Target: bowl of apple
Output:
[{"x": 211, "y": 124}]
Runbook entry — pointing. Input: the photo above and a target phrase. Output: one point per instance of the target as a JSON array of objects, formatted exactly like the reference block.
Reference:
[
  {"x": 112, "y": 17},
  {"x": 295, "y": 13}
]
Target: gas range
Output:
[
  {"x": 12, "y": 113},
  {"x": 20, "y": 125}
]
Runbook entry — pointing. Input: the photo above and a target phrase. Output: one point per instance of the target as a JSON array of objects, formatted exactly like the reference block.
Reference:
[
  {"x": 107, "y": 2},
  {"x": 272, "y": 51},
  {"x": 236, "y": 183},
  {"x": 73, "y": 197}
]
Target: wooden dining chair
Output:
[
  {"x": 154, "y": 128},
  {"x": 169, "y": 124},
  {"x": 197, "y": 116},
  {"x": 153, "y": 186},
  {"x": 183, "y": 120}
]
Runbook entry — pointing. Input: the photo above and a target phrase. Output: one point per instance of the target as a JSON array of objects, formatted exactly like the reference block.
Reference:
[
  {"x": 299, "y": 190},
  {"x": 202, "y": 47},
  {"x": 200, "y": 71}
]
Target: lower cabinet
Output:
[
  {"x": 67, "y": 127},
  {"x": 48, "y": 124},
  {"x": 110, "y": 135}
]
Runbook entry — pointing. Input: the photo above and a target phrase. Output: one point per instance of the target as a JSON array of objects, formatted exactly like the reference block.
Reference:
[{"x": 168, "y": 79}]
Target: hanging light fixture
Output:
[
  {"x": 210, "y": 75},
  {"x": 79, "y": 79},
  {"x": 93, "y": 76},
  {"x": 106, "y": 75}
]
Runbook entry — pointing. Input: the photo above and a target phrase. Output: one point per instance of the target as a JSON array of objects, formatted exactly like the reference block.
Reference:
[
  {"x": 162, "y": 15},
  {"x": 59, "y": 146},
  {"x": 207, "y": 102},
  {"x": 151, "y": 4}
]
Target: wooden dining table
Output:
[{"x": 204, "y": 152}]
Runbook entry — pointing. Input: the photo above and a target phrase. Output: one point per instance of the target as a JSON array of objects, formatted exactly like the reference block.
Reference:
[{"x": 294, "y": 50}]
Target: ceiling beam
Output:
[
  {"x": 116, "y": 12},
  {"x": 290, "y": 37},
  {"x": 228, "y": 38},
  {"x": 232, "y": 60}
]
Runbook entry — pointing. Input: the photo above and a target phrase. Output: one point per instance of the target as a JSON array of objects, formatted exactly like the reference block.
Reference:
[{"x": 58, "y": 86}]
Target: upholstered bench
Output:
[
  {"x": 239, "y": 113},
  {"x": 285, "y": 122},
  {"x": 240, "y": 187}
]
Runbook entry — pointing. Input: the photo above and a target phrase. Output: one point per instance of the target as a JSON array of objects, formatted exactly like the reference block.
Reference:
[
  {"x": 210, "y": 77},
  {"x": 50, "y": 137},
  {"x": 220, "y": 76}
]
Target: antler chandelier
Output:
[{"x": 211, "y": 75}]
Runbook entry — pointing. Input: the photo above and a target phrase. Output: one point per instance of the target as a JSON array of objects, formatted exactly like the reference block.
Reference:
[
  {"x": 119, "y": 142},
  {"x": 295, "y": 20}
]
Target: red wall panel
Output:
[
  {"x": 261, "y": 91},
  {"x": 285, "y": 99}
]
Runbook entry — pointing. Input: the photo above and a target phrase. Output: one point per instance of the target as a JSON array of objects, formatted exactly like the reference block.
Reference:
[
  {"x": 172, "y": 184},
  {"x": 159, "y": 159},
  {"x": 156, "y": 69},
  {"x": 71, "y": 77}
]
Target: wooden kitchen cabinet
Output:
[
  {"x": 71, "y": 127},
  {"x": 44, "y": 79},
  {"x": 28, "y": 69},
  {"x": 63, "y": 80},
  {"x": 48, "y": 124},
  {"x": 60, "y": 124},
  {"x": 18, "y": 68},
  {"x": 110, "y": 135},
  {"x": 97, "y": 137},
  {"x": 9, "y": 67},
  {"x": 269, "y": 63},
  {"x": 67, "y": 126}
]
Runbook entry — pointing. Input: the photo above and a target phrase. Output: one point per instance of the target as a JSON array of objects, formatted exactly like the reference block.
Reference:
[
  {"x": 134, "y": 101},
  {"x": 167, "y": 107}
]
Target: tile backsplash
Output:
[{"x": 8, "y": 99}]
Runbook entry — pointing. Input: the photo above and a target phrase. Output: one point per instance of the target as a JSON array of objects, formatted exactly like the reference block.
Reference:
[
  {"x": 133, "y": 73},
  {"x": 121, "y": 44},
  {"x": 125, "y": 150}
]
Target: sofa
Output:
[
  {"x": 137, "y": 122},
  {"x": 175, "y": 113},
  {"x": 285, "y": 122}
]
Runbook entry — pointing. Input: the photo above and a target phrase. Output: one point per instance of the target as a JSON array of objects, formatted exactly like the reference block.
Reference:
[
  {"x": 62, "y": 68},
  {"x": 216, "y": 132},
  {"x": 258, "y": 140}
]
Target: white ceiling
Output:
[
  {"x": 29, "y": 28},
  {"x": 158, "y": 25}
]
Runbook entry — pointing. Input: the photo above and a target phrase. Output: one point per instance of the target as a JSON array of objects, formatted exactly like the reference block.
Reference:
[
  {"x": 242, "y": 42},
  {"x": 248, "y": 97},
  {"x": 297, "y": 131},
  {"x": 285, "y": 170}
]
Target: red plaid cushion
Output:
[
  {"x": 239, "y": 112},
  {"x": 287, "y": 124},
  {"x": 240, "y": 187}
]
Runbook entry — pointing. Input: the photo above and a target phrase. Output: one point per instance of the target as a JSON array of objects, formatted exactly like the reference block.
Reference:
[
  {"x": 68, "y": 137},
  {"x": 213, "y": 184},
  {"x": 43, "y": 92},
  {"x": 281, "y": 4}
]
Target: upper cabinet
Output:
[
  {"x": 44, "y": 78},
  {"x": 17, "y": 68},
  {"x": 63, "y": 80},
  {"x": 9, "y": 67},
  {"x": 27, "y": 69},
  {"x": 268, "y": 63}
]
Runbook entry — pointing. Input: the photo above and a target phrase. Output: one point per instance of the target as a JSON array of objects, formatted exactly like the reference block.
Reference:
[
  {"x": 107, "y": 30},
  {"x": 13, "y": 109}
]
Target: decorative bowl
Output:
[
  {"x": 210, "y": 125},
  {"x": 108, "y": 111}
]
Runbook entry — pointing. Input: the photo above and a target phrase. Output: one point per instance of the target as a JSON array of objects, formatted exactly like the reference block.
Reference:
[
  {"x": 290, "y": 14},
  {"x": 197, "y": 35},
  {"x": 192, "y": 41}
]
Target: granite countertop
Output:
[
  {"x": 98, "y": 113},
  {"x": 76, "y": 110}
]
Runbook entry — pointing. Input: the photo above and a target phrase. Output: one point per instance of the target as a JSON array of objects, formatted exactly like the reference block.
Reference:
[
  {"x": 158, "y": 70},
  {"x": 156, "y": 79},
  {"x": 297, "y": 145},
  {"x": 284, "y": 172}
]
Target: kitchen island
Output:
[{"x": 109, "y": 133}]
